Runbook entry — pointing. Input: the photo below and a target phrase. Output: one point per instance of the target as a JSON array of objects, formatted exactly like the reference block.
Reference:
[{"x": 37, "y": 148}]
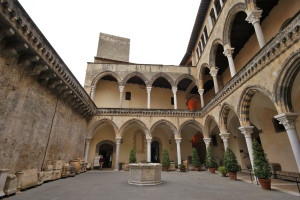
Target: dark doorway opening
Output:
[
  {"x": 199, "y": 145},
  {"x": 107, "y": 151},
  {"x": 155, "y": 158}
]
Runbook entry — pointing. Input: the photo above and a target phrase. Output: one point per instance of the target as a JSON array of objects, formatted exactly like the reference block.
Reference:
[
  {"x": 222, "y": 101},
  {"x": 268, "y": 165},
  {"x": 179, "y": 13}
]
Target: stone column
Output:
[
  {"x": 93, "y": 92},
  {"x": 3, "y": 175},
  {"x": 121, "y": 88},
  {"x": 214, "y": 73},
  {"x": 288, "y": 120},
  {"x": 254, "y": 18},
  {"x": 221, "y": 3},
  {"x": 148, "y": 99},
  {"x": 87, "y": 146},
  {"x": 246, "y": 131},
  {"x": 178, "y": 140},
  {"x": 148, "y": 149},
  {"x": 118, "y": 142},
  {"x": 174, "y": 90},
  {"x": 207, "y": 142},
  {"x": 201, "y": 92},
  {"x": 228, "y": 51},
  {"x": 19, "y": 175},
  {"x": 225, "y": 137}
]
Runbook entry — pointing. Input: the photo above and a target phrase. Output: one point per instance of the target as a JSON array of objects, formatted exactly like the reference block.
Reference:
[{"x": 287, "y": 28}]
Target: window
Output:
[
  {"x": 205, "y": 33},
  {"x": 200, "y": 47},
  {"x": 128, "y": 96},
  {"x": 172, "y": 100},
  {"x": 213, "y": 17},
  {"x": 278, "y": 127},
  {"x": 218, "y": 6},
  {"x": 203, "y": 42}
]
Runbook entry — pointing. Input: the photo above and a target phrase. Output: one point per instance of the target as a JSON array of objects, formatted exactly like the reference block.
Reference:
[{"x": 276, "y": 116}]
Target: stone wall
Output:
[{"x": 33, "y": 119}]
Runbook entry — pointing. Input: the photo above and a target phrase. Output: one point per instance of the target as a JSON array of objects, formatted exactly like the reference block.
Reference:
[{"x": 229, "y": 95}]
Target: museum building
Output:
[{"x": 238, "y": 81}]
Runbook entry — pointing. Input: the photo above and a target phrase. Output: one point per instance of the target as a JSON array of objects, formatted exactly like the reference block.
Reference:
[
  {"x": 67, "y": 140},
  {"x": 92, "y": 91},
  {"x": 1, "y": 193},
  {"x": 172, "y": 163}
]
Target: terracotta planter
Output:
[
  {"x": 232, "y": 175},
  {"x": 196, "y": 168},
  {"x": 212, "y": 170},
  {"x": 182, "y": 169},
  {"x": 165, "y": 169},
  {"x": 265, "y": 183},
  {"x": 76, "y": 165}
]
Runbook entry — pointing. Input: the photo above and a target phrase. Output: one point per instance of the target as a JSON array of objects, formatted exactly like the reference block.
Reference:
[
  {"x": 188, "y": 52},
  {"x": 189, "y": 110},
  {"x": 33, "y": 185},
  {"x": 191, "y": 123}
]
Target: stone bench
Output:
[{"x": 290, "y": 176}]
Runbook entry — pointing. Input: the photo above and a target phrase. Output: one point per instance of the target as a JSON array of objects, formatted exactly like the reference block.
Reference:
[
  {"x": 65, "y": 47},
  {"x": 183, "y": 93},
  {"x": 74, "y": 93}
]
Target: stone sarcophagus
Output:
[{"x": 145, "y": 174}]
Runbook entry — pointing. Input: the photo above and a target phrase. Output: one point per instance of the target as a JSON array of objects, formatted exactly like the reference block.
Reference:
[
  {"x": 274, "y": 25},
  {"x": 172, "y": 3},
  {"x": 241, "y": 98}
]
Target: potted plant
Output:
[
  {"x": 181, "y": 167},
  {"x": 195, "y": 159},
  {"x": 165, "y": 159},
  {"x": 231, "y": 164},
  {"x": 262, "y": 169},
  {"x": 223, "y": 171},
  {"x": 132, "y": 157},
  {"x": 210, "y": 161}
]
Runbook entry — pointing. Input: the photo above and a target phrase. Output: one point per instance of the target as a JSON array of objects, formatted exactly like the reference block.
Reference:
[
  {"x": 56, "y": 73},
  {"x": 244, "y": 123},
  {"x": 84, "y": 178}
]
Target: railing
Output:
[
  {"x": 277, "y": 45},
  {"x": 148, "y": 112}
]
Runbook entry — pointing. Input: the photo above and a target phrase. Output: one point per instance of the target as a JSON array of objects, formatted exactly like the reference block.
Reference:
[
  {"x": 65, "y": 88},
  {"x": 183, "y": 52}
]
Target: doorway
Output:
[
  {"x": 107, "y": 151},
  {"x": 155, "y": 154}
]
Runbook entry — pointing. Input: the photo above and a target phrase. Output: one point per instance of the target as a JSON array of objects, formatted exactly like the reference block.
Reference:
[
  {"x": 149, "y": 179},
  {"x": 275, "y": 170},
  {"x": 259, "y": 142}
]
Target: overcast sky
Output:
[{"x": 159, "y": 30}]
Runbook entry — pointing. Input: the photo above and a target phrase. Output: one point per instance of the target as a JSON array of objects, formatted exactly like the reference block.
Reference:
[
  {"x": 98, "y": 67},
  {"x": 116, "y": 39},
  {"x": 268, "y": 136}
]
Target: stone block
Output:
[
  {"x": 65, "y": 171},
  {"x": 126, "y": 167},
  {"x": 30, "y": 178},
  {"x": 58, "y": 164},
  {"x": 48, "y": 175},
  {"x": 72, "y": 171},
  {"x": 41, "y": 178},
  {"x": 172, "y": 166},
  {"x": 48, "y": 168},
  {"x": 56, "y": 174},
  {"x": 3, "y": 175},
  {"x": 10, "y": 186}
]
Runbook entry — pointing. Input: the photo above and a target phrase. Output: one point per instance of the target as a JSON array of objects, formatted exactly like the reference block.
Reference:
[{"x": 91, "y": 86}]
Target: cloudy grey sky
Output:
[{"x": 159, "y": 30}]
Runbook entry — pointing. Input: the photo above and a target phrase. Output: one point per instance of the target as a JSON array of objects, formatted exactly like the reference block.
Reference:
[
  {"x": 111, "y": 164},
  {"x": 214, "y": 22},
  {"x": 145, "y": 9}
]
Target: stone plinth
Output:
[
  {"x": 145, "y": 174},
  {"x": 172, "y": 166},
  {"x": 30, "y": 178}
]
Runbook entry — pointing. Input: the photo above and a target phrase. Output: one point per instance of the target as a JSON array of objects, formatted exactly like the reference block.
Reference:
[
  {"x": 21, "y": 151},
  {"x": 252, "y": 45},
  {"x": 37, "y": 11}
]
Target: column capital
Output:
[
  {"x": 201, "y": 91},
  {"x": 149, "y": 89},
  {"x": 178, "y": 140},
  {"x": 118, "y": 140},
  {"x": 224, "y": 136},
  {"x": 228, "y": 51},
  {"x": 121, "y": 88},
  {"x": 253, "y": 16},
  {"x": 149, "y": 139},
  {"x": 207, "y": 140},
  {"x": 174, "y": 89},
  {"x": 88, "y": 139},
  {"x": 93, "y": 87},
  {"x": 246, "y": 131},
  {"x": 214, "y": 71},
  {"x": 288, "y": 120}
]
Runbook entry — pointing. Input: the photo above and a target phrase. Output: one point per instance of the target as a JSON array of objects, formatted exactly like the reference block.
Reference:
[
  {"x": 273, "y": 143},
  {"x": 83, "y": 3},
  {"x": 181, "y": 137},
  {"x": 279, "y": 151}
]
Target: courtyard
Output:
[{"x": 114, "y": 186}]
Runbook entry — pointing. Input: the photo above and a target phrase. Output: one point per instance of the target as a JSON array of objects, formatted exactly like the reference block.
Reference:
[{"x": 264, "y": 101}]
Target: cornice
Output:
[{"x": 47, "y": 64}]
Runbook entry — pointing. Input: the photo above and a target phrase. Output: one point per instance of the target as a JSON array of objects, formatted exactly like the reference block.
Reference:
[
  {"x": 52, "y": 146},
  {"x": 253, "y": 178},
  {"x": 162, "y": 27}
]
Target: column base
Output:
[{"x": 116, "y": 170}]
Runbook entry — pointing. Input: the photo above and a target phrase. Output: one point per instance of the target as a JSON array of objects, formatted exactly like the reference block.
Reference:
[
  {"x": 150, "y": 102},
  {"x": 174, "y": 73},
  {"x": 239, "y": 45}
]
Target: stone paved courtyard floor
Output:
[{"x": 114, "y": 186}]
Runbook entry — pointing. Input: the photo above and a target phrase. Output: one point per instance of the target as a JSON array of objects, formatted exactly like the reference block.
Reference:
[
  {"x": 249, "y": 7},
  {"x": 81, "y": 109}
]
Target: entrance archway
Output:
[
  {"x": 106, "y": 148},
  {"x": 155, "y": 152}
]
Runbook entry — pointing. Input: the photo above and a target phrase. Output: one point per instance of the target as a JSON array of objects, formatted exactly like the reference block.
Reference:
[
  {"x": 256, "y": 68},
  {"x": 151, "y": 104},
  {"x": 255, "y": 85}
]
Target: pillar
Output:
[
  {"x": 228, "y": 51},
  {"x": 254, "y": 18},
  {"x": 214, "y": 73},
  {"x": 288, "y": 120},
  {"x": 246, "y": 131},
  {"x": 121, "y": 88},
  {"x": 174, "y": 90},
  {"x": 118, "y": 142},
  {"x": 225, "y": 137},
  {"x": 87, "y": 146},
  {"x": 207, "y": 142},
  {"x": 93, "y": 92},
  {"x": 178, "y": 140},
  {"x": 149, "y": 149},
  {"x": 148, "y": 99},
  {"x": 201, "y": 92}
]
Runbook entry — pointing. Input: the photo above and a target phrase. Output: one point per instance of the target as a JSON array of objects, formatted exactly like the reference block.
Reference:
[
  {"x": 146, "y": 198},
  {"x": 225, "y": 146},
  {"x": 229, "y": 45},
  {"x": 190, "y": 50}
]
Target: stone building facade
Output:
[{"x": 238, "y": 81}]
